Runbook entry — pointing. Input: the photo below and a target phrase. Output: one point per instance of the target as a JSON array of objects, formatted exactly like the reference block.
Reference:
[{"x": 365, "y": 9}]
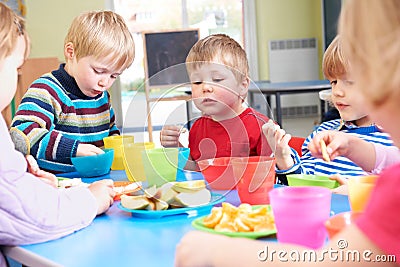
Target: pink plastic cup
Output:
[
  {"x": 256, "y": 176},
  {"x": 300, "y": 213}
]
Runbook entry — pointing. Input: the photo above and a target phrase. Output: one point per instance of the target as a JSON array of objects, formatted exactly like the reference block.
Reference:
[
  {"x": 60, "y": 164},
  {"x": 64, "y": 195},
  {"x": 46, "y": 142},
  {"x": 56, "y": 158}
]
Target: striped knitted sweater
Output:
[
  {"x": 308, "y": 164},
  {"x": 55, "y": 116}
]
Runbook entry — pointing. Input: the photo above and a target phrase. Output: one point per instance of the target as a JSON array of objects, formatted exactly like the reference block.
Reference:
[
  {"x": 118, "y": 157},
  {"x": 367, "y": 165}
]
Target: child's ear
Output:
[
  {"x": 69, "y": 51},
  {"x": 244, "y": 86}
]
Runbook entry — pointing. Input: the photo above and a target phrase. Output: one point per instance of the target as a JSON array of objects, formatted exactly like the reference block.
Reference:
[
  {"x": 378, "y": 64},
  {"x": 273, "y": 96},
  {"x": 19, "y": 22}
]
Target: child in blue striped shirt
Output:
[
  {"x": 354, "y": 120},
  {"x": 67, "y": 112}
]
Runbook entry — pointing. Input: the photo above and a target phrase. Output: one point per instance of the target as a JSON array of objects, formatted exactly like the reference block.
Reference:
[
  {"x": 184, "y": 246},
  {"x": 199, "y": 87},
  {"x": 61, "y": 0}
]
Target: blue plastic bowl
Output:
[{"x": 96, "y": 165}]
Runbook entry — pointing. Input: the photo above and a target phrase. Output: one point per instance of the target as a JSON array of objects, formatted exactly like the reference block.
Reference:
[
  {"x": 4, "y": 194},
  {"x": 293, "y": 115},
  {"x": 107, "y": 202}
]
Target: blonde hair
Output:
[
  {"x": 219, "y": 48},
  {"x": 12, "y": 26},
  {"x": 334, "y": 63},
  {"x": 370, "y": 32},
  {"x": 102, "y": 34}
]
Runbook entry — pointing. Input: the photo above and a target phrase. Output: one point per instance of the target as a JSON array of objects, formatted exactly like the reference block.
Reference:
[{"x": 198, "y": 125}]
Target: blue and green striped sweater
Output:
[{"x": 55, "y": 116}]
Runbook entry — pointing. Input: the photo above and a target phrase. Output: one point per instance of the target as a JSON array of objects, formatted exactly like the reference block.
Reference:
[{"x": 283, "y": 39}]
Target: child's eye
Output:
[
  {"x": 217, "y": 80},
  {"x": 114, "y": 76},
  {"x": 333, "y": 82},
  {"x": 349, "y": 82},
  {"x": 197, "y": 83},
  {"x": 97, "y": 71}
]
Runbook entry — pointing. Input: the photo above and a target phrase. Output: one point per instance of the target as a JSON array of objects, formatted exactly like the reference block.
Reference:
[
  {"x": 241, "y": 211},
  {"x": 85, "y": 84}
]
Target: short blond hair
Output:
[
  {"x": 12, "y": 26},
  {"x": 219, "y": 48},
  {"x": 370, "y": 32},
  {"x": 102, "y": 34},
  {"x": 334, "y": 63}
]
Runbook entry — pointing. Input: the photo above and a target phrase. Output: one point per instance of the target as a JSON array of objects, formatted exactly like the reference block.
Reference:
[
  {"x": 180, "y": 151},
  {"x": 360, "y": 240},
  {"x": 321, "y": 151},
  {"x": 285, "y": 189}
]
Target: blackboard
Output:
[
  {"x": 331, "y": 13},
  {"x": 165, "y": 55}
]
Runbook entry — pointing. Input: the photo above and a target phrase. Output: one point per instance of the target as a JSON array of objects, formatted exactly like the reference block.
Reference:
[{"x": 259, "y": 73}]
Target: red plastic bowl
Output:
[
  {"x": 338, "y": 222},
  {"x": 218, "y": 173}
]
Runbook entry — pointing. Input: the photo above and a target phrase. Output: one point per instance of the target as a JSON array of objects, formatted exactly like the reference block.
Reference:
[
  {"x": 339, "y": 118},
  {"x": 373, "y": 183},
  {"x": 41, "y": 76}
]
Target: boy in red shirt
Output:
[{"x": 218, "y": 71}]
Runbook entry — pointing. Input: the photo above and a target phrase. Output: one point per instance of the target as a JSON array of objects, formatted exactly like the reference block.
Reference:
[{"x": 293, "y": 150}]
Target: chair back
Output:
[{"x": 296, "y": 143}]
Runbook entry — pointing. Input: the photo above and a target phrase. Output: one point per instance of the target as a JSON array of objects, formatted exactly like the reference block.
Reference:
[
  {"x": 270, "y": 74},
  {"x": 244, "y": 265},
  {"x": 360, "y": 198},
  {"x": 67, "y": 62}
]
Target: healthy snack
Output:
[
  {"x": 245, "y": 218},
  {"x": 325, "y": 154},
  {"x": 169, "y": 195},
  {"x": 125, "y": 187}
]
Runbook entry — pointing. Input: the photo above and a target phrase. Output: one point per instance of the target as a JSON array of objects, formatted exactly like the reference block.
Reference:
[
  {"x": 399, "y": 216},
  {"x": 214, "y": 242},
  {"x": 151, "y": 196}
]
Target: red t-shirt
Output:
[
  {"x": 380, "y": 221},
  {"x": 237, "y": 137}
]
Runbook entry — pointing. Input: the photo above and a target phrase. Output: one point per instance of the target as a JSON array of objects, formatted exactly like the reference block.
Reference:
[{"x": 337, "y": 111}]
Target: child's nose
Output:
[
  {"x": 103, "y": 82},
  {"x": 207, "y": 87},
  {"x": 337, "y": 90}
]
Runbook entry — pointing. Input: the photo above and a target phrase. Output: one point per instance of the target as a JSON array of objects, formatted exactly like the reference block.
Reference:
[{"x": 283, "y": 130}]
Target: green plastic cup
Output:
[{"x": 160, "y": 165}]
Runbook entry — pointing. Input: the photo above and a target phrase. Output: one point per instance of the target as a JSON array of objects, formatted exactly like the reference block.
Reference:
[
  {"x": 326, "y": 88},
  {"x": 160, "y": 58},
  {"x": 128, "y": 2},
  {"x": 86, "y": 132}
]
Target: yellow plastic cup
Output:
[
  {"x": 132, "y": 158},
  {"x": 160, "y": 165},
  {"x": 115, "y": 143},
  {"x": 360, "y": 188}
]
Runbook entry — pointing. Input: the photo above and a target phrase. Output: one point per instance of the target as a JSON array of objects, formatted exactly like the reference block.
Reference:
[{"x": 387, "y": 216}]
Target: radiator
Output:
[{"x": 295, "y": 60}]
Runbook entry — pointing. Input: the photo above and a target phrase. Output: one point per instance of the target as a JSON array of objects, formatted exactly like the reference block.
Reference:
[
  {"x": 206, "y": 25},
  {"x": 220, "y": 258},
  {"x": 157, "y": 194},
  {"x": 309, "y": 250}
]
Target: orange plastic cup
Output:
[
  {"x": 360, "y": 188},
  {"x": 256, "y": 176}
]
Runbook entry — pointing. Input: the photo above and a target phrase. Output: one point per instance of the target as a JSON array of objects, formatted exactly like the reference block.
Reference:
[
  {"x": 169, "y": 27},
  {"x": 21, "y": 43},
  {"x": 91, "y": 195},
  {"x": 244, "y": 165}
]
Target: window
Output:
[{"x": 210, "y": 16}]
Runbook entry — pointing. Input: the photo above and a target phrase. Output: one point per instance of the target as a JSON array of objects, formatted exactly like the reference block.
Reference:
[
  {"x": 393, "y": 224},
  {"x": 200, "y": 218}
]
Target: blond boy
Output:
[{"x": 67, "y": 112}]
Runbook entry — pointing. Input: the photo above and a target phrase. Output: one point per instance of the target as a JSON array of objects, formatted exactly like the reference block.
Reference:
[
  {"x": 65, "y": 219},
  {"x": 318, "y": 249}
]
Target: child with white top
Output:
[{"x": 32, "y": 211}]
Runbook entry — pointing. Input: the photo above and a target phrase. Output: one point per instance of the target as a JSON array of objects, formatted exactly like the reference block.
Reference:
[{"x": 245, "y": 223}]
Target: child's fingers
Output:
[
  {"x": 286, "y": 138},
  {"x": 47, "y": 177},
  {"x": 341, "y": 180},
  {"x": 33, "y": 166},
  {"x": 279, "y": 134},
  {"x": 171, "y": 130},
  {"x": 342, "y": 190},
  {"x": 269, "y": 128},
  {"x": 108, "y": 182}
]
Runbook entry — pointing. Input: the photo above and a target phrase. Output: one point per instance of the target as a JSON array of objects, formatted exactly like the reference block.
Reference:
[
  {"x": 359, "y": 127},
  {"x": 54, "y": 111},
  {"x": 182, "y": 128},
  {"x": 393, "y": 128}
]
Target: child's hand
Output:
[
  {"x": 339, "y": 179},
  {"x": 337, "y": 144},
  {"x": 278, "y": 140},
  {"x": 104, "y": 193},
  {"x": 88, "y": 150},
  {"x": 169, "y": 136},
  {"x": 34, "y": 169},
  {"x": 195, "y": 249},
  {"x": 342, "y": 189}
]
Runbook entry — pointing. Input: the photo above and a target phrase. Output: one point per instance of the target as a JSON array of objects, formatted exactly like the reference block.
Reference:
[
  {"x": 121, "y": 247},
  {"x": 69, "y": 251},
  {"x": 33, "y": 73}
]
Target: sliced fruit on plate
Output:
[
  {"x": 161, "y": 205},
  {"x": 134, "y": 202},
  {"x": 198, "y": 198},
  {"x": 167, "y": 192},
  {"x": 125, "y": 187},
  {"x": 213, "y": 218},
  {"x": 152, "y": 192},
  {"x": 189, "y": 186}
]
